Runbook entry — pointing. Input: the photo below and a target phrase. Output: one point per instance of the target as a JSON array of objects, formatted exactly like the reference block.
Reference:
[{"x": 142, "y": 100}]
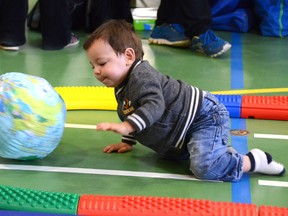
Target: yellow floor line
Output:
[{"x": 252, "y": 91}]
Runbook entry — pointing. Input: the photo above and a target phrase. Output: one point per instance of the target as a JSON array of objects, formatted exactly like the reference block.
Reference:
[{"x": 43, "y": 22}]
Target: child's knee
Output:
[
  {"x": 228, "y": 167},
  {"x": 206, "y": 168},
  {"x": 202, "y": 172}
]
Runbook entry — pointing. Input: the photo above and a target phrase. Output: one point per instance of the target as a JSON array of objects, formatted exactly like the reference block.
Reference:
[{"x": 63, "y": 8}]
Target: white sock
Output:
[{"x": 263, "y": 163}]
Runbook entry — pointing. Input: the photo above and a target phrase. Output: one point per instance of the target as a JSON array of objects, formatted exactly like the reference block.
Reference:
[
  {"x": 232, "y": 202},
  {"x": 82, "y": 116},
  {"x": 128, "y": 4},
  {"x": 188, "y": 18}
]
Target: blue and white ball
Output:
[{"x": 32, "y": 117}]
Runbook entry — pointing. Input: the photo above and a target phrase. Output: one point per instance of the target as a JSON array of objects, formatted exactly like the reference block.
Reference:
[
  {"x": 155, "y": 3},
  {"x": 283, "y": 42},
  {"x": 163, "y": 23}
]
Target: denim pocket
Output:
[
  {"x": 224, "y": 123},
  {"x": 221, "y": 118}
]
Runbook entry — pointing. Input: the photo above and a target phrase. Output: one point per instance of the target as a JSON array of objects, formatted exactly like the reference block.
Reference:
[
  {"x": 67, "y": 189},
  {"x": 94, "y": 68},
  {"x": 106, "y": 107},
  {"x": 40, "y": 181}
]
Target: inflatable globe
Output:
[{"x": 32, "y": 117}]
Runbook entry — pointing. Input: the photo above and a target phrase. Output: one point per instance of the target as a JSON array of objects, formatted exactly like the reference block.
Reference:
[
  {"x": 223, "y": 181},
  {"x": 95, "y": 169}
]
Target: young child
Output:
[{"x": 173, "y": 118}]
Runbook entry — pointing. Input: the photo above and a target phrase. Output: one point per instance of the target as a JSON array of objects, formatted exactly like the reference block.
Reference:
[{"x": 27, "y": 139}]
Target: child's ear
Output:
[{"x": 129, "y": 56}]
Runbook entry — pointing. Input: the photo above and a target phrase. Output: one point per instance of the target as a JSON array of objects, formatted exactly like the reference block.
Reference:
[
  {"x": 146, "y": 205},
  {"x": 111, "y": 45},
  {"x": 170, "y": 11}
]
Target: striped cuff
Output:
[
  {"x": 129, "y": 140},
  {"x": 138, "y": 123}
]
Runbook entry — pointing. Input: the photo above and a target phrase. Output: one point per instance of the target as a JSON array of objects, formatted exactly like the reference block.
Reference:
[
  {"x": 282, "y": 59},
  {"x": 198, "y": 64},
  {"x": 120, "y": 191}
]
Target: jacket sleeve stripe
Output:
[
  {"x": 192, "y": 112},
  {"x": 129, "y": 139},
  {"x": 138, "y": 121}
]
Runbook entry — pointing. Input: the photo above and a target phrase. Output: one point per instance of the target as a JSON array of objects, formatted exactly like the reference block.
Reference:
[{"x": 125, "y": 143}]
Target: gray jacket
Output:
[{"x": 160, "y": 108}]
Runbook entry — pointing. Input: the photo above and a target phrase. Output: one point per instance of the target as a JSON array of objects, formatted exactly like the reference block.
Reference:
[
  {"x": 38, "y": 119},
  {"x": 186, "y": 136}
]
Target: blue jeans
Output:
[{"x": 207, "y": 144}]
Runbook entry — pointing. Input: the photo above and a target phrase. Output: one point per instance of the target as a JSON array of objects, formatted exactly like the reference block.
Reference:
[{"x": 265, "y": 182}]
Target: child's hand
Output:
[
  {"x": 118, "y": 147},
  {"x": 123, "y": 128}
]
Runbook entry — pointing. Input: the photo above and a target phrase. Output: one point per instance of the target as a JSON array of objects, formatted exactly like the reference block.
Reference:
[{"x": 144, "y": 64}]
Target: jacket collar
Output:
[{"x": 119, "y": 88}]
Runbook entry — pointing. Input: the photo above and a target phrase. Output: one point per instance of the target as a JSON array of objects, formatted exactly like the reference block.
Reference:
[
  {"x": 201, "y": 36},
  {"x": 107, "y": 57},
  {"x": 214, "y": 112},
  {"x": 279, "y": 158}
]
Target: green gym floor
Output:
[{"x": 78, "y": 165}]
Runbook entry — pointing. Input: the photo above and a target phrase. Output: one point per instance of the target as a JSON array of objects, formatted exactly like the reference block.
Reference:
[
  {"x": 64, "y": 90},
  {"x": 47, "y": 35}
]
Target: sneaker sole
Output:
[
  {"x": 72, "y": 44},
  {"x": 184, "y": 43},
  {"x": 15, "y": 48},
  {"x": 226, "y": 47}
]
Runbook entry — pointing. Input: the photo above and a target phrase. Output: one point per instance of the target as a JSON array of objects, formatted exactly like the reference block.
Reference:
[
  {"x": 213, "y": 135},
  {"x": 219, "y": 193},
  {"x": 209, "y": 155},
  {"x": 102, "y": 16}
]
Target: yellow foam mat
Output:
[
  {"x": 102, "y": 98},
  {"x": 88, "y": 97}
]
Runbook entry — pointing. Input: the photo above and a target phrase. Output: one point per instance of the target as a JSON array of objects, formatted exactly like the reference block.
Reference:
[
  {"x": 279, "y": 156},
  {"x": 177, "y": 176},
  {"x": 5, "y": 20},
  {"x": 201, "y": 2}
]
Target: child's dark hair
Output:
[{"x": 119, "y": 34}]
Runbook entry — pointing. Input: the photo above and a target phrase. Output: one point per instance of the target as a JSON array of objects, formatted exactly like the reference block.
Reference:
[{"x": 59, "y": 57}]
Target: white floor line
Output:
[
  {"x": 270, "y": 136},
  {"x": 273, "y": 183},
  {"x": 80, "y": 126},
  {"x": 98, "y": 172}
]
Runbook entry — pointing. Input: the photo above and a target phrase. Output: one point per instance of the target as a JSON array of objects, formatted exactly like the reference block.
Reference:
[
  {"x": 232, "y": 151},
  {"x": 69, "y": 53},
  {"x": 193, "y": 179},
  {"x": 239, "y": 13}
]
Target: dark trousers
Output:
[
  {"x": 55, "y": 22},
  {"x": 101, "y": 10},
  {"x": 194, "y": 15},
  {"x": 12, "y": 21}
]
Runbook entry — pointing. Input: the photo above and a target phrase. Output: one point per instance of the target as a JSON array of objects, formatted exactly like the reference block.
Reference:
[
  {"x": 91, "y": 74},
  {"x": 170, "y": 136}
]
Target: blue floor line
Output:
[
  {"x": 237, "y": 76},
  {"x": 241, "y": 192}
]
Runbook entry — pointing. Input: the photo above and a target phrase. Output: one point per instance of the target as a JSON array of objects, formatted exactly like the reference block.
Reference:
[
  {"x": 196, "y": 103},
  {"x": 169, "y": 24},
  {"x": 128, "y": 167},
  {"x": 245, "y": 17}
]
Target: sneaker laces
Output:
[
  {"x": 177, "y": 27},
  {"x": 208, "y": 37}
]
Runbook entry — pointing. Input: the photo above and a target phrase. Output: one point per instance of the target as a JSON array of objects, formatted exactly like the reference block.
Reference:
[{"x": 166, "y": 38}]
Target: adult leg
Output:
[
  {"x": 121, "y": 10},
  {"x": 13, "y": 15},
  {"x": 168, "y": 28},
  {"x": 197, "y": 21},
  {"x": 193, "y": 15},
  {"x": 187, "y": 20},
  {"x": 196, "y": 16},
  {"x": 55, "y": 24},
  {"x": 102, "y": 10},
  {"x": 168, "y": 12}
]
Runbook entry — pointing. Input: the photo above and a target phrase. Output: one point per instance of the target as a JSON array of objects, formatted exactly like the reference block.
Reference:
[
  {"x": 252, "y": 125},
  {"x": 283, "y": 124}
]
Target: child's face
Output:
[{"x": 109, "y": 68}]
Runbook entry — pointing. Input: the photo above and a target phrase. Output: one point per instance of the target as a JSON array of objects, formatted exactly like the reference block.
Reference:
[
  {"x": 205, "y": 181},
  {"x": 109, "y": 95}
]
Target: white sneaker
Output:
[
  {"x": 73, "y": 42},
  {"x": 9, "y": 48},
  {"x": 265, "y": 164}
]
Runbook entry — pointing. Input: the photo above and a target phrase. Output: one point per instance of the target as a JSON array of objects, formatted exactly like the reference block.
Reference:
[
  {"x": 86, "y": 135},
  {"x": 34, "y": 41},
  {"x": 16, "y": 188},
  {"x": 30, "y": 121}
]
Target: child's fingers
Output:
[
  {"x": 102, "y": 126},
  {"x": 125, "y": 149},
  {"x": 111, "y": 148},
  {"x": 119, "y": 147},
  {"x": 108, "y": 149}
]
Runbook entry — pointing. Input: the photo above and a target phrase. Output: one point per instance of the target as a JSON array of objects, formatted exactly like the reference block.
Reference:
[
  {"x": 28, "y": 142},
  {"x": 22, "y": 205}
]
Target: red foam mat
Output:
[
  {"x": 272, "y": 211},
  {"x": 265, "y": 107},
  {"x": 141, "y": 205}
]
